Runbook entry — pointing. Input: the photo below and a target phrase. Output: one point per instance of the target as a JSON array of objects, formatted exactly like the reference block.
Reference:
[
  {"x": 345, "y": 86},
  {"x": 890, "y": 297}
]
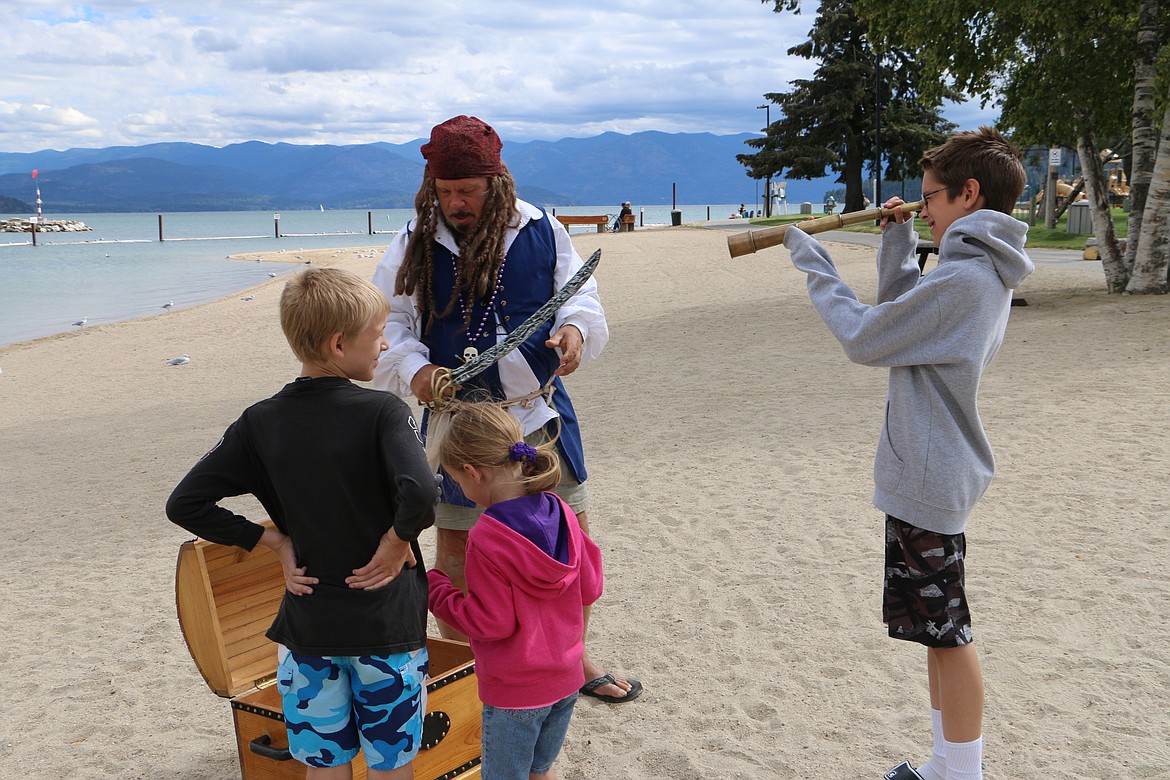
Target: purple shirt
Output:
[{"x": 538, "y": 519}]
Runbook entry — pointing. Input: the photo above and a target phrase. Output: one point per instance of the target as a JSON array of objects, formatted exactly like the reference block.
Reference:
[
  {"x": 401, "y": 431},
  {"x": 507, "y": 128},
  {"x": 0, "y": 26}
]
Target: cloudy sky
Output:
[{"x": 354, "y": 71}]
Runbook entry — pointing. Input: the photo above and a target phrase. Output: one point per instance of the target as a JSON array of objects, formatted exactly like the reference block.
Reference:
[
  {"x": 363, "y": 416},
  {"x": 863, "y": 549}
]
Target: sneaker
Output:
[{"x": 902, "y": 771}]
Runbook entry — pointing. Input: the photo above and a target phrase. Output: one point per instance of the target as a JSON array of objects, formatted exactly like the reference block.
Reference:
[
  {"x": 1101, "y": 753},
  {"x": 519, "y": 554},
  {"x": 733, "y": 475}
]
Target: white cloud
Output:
[
  {"x": 220, "y": 72},
  {"x": 38, "y": 120}
]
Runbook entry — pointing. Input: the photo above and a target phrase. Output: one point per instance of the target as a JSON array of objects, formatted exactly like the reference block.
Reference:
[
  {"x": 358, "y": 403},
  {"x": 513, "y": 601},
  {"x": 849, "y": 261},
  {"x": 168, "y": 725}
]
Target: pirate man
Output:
[{"x": 473, "y": 264}]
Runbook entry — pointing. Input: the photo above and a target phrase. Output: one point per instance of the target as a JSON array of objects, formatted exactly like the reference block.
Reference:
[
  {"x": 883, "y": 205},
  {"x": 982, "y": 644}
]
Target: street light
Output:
[
  {"x": 768, "y": 186},
  {"x": 877, "y": 128}
]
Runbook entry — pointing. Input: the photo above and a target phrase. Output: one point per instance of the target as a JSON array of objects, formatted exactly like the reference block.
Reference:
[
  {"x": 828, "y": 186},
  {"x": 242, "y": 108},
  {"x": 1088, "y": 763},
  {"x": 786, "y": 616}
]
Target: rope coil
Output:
[{"x": 443, "y": 393}]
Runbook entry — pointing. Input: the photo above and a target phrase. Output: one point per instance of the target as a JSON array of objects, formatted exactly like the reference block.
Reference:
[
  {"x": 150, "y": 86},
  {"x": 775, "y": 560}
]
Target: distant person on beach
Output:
[
  {"x": 472, "y": 266},
  {"x": 341, "y": 471},
  {"x": 936, "y": 334},
  {"x": 530, "y": 569},
  {"x": 627, "y": 210}
]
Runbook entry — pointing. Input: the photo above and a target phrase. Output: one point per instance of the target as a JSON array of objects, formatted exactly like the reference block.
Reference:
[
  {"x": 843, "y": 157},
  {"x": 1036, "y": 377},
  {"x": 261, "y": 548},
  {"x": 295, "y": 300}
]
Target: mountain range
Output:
[{"x": 646, "y": 168}]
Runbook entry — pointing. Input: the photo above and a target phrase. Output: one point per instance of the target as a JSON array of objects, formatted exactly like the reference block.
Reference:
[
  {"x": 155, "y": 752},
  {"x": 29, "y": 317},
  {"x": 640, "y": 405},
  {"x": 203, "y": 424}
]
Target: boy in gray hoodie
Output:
[{"x": 936, "y": 334}]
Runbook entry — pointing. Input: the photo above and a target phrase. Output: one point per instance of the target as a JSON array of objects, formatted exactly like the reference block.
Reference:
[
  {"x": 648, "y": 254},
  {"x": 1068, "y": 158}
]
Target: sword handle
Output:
[{"x": 442, "y": 389}]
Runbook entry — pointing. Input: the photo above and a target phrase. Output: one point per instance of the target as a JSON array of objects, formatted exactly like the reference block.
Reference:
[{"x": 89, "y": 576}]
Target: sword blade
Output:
[{"x": 517, "y": 337}]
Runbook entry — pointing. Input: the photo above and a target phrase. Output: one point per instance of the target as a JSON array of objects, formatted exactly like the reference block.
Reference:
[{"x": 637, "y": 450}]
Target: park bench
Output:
[{"x": 601, "y": 220}]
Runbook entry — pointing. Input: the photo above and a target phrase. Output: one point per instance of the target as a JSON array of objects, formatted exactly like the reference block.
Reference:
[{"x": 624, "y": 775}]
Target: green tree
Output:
[
  {"x": 830, "y": 122},
  {"x": 1062, "y": 79}
]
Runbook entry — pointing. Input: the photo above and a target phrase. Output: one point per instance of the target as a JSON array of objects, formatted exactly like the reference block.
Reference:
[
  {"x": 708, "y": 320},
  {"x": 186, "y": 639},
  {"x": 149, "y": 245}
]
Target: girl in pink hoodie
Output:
[{"x": 530, "y": 569}]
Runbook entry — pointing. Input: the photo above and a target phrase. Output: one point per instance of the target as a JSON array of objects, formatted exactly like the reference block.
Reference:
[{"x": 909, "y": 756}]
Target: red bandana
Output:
[{"x": 463, "y": 148}]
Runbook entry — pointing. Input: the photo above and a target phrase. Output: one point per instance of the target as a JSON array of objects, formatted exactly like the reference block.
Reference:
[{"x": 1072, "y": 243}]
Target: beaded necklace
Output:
[{"x": 471, "y": 353}]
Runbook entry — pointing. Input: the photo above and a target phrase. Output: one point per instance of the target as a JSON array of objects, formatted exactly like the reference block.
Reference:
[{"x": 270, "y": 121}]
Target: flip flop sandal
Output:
[{"x": 590, "y": 689}]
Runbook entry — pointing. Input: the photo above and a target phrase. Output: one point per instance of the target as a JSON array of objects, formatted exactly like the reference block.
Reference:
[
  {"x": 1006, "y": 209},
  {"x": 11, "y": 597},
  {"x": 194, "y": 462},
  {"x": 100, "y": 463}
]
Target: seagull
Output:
[
  {"x": 168, "y": 304},
  {"x": 81, "y": 322},
  {"x": 272, "y": 274},
  {"x": 179, "y": 360},
  {"x": 247, "y": 297}
]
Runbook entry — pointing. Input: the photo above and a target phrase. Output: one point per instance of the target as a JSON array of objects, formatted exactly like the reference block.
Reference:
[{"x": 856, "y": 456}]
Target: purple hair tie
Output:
[{"x": 524, "y": 453}]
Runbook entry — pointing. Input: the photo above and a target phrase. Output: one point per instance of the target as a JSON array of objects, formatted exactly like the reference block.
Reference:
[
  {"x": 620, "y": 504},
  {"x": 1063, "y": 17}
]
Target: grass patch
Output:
[{"x": 1038, "y": 235}]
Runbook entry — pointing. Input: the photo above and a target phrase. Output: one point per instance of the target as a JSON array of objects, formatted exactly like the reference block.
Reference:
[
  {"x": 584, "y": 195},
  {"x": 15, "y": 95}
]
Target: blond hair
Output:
[
  {"x": 985, "y": 156},
  {"x": 319, "y": 302},
  {"x": 484, "y": 434}
]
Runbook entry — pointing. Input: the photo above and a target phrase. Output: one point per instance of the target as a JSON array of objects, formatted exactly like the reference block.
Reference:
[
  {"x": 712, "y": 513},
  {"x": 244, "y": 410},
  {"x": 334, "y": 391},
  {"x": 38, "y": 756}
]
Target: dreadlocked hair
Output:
[{"x": 480, "y": 252}]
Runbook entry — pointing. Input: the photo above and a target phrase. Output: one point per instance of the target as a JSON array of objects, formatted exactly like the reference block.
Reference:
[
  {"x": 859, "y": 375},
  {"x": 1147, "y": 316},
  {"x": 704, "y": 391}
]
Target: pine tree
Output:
[{"x": 833, "y": 121}]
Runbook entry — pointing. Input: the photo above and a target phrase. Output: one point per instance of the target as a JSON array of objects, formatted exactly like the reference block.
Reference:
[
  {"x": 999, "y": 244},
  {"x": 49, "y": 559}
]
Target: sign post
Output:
[
  {"x": 37, "y": 218},
  {"x": 1050, "y": 189}
]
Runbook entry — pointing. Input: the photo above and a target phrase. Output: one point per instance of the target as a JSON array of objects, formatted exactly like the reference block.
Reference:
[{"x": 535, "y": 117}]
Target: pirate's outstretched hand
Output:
[{"x": 569, "y": 343}]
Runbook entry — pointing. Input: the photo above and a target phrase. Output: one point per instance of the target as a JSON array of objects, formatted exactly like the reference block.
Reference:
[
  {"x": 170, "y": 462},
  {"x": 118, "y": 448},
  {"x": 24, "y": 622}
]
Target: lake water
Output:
[{"x": 120, "y": 270}]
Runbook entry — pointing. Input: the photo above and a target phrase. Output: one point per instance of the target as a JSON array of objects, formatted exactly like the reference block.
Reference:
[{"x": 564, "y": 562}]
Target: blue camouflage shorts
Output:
[{"x": 336, "y": 704}]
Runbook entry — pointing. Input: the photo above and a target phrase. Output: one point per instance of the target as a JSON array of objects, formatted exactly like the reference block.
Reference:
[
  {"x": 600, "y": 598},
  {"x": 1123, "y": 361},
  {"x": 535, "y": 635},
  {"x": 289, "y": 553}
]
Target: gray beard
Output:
[{"x": 459, "y": 235}]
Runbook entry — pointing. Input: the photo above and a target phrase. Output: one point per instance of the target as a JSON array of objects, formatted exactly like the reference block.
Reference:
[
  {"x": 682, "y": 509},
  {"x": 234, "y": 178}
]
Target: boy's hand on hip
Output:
[
  {"x": 389, "y": 559},
  {"x": 296, "y": 581}
]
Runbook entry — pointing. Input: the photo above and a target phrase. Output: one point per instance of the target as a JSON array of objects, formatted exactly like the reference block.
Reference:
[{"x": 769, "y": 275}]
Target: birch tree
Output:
[
  {"x": 1152, "y": 260},
  {"x": 1145, "y": 251}
]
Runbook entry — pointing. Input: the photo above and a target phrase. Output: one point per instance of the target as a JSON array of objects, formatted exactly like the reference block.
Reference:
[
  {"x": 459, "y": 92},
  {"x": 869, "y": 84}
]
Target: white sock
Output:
[
  {"x": 936, "y": 767},
  {"x": 964, "y": 760}
]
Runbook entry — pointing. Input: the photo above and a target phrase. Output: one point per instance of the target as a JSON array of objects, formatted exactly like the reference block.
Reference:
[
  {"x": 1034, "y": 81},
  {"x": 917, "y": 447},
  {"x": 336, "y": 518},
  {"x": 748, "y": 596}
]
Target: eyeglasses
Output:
[{"x": 926, "y": 195}]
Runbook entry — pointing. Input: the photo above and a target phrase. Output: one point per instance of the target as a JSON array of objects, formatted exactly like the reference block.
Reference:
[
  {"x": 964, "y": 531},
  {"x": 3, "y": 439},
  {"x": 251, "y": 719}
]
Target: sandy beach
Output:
[{"x": 729, "y": 445}]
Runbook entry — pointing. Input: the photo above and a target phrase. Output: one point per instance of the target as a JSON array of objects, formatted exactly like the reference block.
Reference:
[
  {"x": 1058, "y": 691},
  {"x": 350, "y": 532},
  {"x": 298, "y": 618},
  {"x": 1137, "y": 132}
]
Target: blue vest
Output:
[{"x": 528, "y": 282}]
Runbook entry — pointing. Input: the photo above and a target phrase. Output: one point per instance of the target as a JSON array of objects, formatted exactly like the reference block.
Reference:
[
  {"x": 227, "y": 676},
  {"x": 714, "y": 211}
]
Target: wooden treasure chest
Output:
[{"x": 227, "y": 599}]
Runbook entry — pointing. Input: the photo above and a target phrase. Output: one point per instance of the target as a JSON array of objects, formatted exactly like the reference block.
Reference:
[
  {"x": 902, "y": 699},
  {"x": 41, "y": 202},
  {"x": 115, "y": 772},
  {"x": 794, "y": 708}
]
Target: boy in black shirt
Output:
[{"x": 341, "y": 471}]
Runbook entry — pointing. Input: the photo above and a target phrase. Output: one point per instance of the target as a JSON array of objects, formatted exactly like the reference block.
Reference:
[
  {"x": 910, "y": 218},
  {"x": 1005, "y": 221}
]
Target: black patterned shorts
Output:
[{"x": 924, "y": 599}]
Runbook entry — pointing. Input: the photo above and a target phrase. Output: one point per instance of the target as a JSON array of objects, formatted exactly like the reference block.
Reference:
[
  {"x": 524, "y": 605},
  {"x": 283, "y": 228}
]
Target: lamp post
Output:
[
  {"x": 877, "y": 129},
  {"x": 768, "y": 185}
]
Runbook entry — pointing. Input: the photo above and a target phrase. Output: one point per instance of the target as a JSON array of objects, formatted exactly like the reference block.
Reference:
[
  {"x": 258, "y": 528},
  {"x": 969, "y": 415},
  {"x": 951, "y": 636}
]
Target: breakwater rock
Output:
[{"x": 20, "y": 225}]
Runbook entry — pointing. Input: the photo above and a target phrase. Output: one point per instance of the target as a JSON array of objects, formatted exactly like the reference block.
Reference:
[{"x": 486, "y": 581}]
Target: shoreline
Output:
[
  {"x": 729, "y": 447},
  {"x": 55, "y": 315},
  {"x": 281, "y": 259}
]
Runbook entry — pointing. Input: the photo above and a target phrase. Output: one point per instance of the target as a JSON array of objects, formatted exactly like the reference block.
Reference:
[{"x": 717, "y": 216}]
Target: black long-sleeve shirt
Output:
[{"x": 335, "y": 466}]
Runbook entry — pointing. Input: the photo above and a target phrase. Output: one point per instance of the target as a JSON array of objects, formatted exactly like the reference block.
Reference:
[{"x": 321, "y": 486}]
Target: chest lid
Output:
[{"x": 227, "y": 599}]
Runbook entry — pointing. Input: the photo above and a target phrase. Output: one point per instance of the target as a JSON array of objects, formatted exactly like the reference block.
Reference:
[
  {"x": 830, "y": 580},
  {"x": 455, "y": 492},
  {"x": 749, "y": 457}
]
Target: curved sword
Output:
[{"x": 528, "y": 327}]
